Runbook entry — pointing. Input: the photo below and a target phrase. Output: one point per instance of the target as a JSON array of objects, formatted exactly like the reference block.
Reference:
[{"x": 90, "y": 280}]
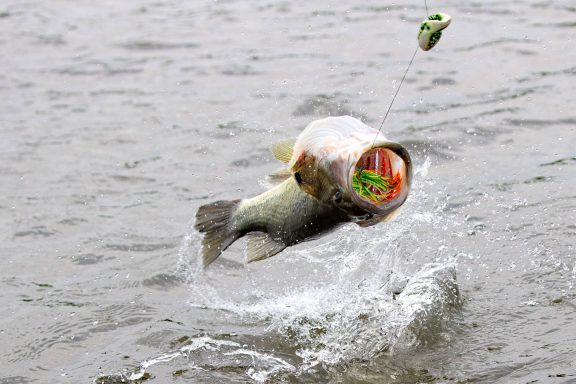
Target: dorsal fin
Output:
[
  {"x": 278, "y": 177},
  {"x": 261, "y": 246},
  {"x": 282, "y": 150}
]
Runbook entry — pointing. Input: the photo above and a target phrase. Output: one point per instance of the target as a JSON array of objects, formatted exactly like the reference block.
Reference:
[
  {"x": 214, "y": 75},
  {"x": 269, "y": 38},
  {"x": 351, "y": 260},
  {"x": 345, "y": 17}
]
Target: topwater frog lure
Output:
[{"x": 431, "y": 30}]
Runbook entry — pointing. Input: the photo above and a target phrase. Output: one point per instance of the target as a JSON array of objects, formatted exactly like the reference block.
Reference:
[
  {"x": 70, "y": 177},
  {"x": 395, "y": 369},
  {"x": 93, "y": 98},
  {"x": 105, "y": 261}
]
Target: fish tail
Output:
[{"x": 214, "y": 221}]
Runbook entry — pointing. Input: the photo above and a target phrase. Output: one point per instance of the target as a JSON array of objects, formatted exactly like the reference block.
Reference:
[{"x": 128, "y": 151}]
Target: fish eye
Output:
[
  {"x": 298, "y": 177},
  {"x": 337, "y": 197}
]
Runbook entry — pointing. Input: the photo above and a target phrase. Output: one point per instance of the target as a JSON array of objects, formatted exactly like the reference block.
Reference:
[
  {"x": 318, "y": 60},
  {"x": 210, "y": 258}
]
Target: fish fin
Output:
[
  {"x": 391, "y": 216},
  {"x": 278, "y": 177},
  {"x": 213, "y": 220},
  {"x": 261, "y": 246},
  {"x": 282, "y": 150},
  {"x": 369, "y": 222},
  {"x": 379, "y": 219}
]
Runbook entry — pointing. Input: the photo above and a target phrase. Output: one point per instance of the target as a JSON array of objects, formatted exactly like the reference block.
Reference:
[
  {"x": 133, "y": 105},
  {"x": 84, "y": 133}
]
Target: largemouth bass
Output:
[{"x": 338, "y": 170}]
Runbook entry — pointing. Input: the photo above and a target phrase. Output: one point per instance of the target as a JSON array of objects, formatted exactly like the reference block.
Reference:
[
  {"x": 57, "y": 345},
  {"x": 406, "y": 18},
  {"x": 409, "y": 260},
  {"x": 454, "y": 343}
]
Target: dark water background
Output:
[{"x": 118, "y": 119}]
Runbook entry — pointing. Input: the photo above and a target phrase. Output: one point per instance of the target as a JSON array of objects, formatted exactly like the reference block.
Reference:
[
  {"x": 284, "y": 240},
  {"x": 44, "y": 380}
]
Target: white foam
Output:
[{"x": 349, "y": 310}]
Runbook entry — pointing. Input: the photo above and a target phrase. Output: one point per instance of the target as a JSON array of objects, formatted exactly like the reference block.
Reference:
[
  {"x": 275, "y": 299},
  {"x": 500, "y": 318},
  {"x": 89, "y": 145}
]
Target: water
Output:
[{"x": 118, "y": 120}]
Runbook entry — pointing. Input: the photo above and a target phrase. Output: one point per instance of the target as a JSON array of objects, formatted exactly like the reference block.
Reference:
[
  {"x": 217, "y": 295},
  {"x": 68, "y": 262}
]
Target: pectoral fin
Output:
[
  {"x": 261, "y": 246},
  {"x": 282, "y": 150}
]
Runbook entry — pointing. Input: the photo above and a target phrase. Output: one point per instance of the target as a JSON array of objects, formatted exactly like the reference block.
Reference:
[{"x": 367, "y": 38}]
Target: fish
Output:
[{"x": 338, "y": 170}]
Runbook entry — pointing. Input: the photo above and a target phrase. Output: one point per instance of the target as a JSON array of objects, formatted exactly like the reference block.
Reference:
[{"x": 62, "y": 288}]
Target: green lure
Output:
[
  {"x": 372, "y": 186},
  {"x": 431, "y": 30}
]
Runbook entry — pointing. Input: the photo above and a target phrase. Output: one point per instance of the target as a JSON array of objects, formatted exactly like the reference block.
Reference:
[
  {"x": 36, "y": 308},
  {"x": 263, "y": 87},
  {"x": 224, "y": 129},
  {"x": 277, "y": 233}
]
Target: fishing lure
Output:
[
  {"x": 431, "y": 30},
  {"x": 375, "y": 187}
]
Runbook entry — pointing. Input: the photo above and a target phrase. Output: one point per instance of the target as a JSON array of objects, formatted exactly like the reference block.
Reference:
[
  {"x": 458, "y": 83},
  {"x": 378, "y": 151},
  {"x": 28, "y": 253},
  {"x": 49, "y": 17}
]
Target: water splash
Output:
[
  {"x": 204, "y": 353},
  {"x": 350, "y": 297},
  {"x": 354, "y": 296},
  {"x": 359, "y": 327}
]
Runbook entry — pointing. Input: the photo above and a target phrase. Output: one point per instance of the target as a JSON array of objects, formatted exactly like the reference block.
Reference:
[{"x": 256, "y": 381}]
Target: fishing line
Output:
[
  {"x": 380, "y": 184},
  {"x": 432, "y": 41},
  {"x": 395, "y": 94}
]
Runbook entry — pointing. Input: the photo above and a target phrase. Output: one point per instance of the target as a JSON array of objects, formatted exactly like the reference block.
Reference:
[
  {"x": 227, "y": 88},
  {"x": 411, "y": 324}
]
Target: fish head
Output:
[
  {"x": 314, "y": 176},
  {"x": 343, "y": 162}
]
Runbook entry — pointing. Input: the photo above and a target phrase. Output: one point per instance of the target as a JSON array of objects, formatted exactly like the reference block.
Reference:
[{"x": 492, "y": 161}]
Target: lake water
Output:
[{"x": 119, "y": 119}]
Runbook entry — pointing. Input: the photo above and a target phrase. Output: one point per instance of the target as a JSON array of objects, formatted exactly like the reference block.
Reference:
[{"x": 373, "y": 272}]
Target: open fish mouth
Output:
[
  {"x": 374, "y": 172},
  {"x": 380, "y": 179}
]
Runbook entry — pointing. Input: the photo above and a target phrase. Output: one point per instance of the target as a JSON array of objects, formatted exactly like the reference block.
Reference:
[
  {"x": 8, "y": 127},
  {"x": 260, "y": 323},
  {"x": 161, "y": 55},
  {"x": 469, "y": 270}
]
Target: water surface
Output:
[{"x": 118, "y": 119}]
